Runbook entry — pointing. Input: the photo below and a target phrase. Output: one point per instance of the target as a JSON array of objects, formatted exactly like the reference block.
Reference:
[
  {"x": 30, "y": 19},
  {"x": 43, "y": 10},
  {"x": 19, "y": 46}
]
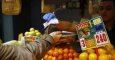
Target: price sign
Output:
[
  {"x": 92, "y": 33},
  {"x": 101, "y": 38},
  {"x": 29, "y": 39},
  {"x": 83, "y": 43}
]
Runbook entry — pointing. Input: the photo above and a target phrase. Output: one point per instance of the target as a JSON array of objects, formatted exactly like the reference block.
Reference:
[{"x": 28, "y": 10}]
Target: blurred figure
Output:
[{"x": 106, "y": 9}]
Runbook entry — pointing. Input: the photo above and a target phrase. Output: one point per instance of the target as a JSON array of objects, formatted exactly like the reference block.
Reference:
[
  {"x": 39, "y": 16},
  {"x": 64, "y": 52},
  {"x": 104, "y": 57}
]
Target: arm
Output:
[
  {"x": 41, "y": 46},
  {"x": 31, "y": 51}
]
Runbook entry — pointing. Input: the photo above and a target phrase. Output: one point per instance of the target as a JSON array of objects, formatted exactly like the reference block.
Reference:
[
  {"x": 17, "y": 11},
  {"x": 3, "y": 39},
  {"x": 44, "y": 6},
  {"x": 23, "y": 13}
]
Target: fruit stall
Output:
[
  {"x": 94, "y": 42},
  {"x": 87, "y": 40},
  {"x": 91, "y": 35}
]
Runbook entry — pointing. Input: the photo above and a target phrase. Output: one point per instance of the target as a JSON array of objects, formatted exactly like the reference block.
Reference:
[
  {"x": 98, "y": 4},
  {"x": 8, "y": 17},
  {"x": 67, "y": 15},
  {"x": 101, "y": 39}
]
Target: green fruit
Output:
[
  {"x": 26, "y": 33},
  {"x": 38, "y": 34},
  {"x": 32, "y": 29},
  {"x": 36, "y": 31}
]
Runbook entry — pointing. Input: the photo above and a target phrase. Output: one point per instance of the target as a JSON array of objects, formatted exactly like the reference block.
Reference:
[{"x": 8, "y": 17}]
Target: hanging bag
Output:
[{"x": 11, "y": 7}]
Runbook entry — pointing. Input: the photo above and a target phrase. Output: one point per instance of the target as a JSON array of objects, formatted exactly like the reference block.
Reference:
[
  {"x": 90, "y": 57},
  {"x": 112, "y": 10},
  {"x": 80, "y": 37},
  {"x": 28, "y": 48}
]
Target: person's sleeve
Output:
[
  {"x": 5, "y": 51},
  {"x": 41, "y": 46},
  {"x": 34, "y": 50},
  {"x": 11, "y": 52}
]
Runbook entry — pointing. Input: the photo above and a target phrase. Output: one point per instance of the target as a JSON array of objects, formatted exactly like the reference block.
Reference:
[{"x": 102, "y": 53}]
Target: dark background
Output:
[{"x": 31, "y": 16}]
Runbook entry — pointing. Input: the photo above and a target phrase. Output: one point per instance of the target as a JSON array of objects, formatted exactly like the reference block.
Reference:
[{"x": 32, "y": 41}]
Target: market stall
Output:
[
  {"x": 94, "y": 42},
  {"x": 87, "y": 40}
]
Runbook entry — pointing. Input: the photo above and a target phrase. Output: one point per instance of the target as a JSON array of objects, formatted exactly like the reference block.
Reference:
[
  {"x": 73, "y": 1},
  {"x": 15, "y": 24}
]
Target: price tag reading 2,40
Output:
[
  {"x": 101, "y": 38},
  {"x": 92, "y": 33}
]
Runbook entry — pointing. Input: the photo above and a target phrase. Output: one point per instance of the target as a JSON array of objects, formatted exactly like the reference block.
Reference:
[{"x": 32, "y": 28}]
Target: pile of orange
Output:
[
  {"x": 68, "y": 53},
  {"x": 61, "y": 53}
]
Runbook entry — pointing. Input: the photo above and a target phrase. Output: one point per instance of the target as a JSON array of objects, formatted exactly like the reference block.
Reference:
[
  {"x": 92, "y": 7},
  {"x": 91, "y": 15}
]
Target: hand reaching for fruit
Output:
[
  {"x": 56, "y": 36},
  {"x": 63, "y": 36}
]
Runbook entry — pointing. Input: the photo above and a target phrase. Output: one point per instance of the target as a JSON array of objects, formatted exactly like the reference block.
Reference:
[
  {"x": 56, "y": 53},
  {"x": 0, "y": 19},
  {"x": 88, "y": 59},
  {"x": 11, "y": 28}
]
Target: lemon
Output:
[
  {"x": 92, "y": 56},
  {"x": 102, "y": 51},
  {"x": 83, "y": 56},
  {"x": 103, "y": 57}
]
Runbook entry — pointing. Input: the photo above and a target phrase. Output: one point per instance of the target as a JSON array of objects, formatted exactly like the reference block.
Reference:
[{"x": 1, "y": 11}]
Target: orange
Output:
[
  {"x": 55, "y": 49},
  {"x": 65, "y": 55},
  {"x": 53, "y": 58},
  {"x": 75, "y": 54},
  {"x": 60, "y": 51},
  {"x": 65, "y": 50},
  {"x": 70, "y": 58},
  {"x": 49, "y": 57},
  {"x": 103, "y": 57},
  {"x": 50, "y": 52},
  {"x": 55, "y": 53},
  {"x": 71, "y": 50},
  {"x": 75, "y": 58},
  {"x": 60, "y": 57},
  {"x": 70, "y": 55},
  {"x": 65, "y": 59},
  {"x": 83, "y": 56},
  {"x": 45, "y": 57},
  {"x": 92, "y": 56}
]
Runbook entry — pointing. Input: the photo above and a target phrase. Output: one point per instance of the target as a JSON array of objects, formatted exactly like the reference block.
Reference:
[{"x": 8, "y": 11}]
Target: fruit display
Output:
[
  {"x": 29, "y": 36},
  {"x": 32, "y": 32},
  {"x": 64, "y": 52},
  {"x": 68, "y": 53}
]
